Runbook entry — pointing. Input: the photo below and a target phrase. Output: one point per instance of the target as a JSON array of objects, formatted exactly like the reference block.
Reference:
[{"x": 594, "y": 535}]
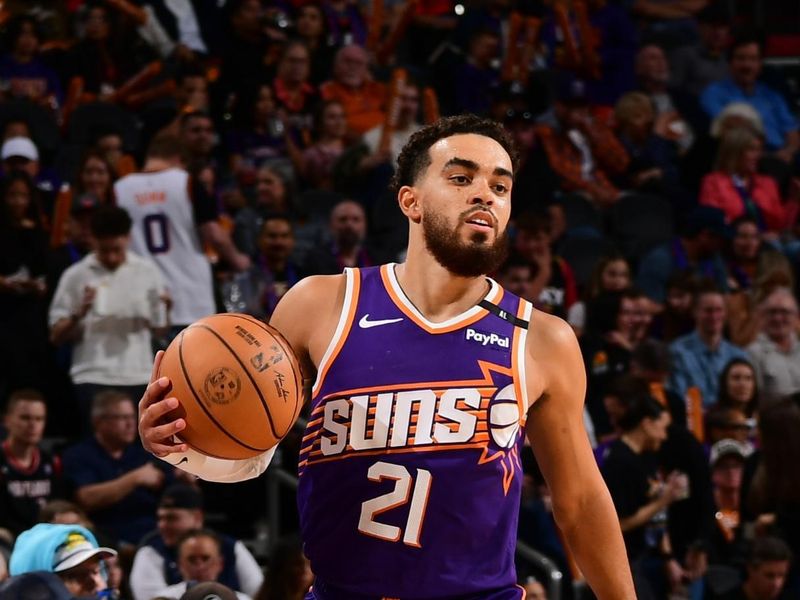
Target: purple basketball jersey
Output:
[{"x": 410, "y": 474}]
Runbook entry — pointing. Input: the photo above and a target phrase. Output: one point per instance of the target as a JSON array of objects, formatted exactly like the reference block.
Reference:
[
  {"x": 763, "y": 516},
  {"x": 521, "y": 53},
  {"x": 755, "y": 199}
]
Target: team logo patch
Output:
[{"x": 222, "y": 386}]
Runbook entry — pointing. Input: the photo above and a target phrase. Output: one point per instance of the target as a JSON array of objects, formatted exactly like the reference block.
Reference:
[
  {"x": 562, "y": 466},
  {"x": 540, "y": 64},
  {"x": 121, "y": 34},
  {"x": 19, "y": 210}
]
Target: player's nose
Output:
[{"x": 482, "y": 193}]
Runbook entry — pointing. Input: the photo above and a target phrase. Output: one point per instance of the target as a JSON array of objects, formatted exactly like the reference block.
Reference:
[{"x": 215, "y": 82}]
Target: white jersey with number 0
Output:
[{"x": 164, "y": 230}]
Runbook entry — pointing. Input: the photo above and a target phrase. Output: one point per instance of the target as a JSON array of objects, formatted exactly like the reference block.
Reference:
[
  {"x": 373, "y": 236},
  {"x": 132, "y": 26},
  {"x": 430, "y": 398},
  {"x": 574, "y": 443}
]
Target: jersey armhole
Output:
[
  {"x": 346, "y": 316},
  {"x": 524, "y": 311}
]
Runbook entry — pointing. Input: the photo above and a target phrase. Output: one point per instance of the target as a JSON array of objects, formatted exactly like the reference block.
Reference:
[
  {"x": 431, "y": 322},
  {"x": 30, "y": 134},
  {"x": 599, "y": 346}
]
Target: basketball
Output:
[{"x": 238, "y": 383}]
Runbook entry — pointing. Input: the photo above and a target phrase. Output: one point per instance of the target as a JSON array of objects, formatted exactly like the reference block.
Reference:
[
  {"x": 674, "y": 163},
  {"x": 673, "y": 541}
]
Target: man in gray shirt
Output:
[{"x": 694, "y": 67}]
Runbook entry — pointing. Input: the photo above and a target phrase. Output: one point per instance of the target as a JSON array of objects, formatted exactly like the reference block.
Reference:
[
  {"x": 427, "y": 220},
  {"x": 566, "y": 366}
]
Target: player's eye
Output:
[
  {"x": 460, "y": 179},
  {"x": 500, "y": 188}
]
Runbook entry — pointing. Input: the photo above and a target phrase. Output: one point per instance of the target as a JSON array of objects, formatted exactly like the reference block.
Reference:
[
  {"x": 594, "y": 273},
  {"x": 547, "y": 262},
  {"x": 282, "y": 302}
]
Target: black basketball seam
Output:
[
  {"x": 200, "y": 403},
  {"x": 289, "y": 352},
  {"x": 249, "y": 376}
]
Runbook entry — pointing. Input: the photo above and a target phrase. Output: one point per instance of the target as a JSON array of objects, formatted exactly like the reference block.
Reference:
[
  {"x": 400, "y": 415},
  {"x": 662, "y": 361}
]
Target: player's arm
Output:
[
  {"x": 302, "y": 316},
  {"x": 582, "y": 505}
]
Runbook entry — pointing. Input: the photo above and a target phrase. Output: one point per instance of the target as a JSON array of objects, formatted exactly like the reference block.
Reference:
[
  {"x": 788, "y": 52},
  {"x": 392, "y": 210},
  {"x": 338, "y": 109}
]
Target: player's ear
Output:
[{"x": 409, "y": 204}]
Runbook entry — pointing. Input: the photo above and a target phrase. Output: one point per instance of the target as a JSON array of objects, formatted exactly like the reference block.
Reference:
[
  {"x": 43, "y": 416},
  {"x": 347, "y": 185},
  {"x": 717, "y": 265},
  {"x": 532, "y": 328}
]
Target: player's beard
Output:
[{"x": 465, "y": 259}]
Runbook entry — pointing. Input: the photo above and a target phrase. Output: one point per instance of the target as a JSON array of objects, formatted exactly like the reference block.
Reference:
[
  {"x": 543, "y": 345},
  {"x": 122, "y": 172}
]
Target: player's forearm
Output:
[
  {"x": 100, "y": 495},
  {"x": 593, "y": 535}
]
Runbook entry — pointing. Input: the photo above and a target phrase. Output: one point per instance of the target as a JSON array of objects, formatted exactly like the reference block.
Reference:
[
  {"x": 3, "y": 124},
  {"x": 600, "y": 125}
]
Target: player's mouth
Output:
[{"x": 480, "y": 221}]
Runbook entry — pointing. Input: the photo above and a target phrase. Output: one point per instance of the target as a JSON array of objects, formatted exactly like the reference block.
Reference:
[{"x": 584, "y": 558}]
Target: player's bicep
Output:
[{"x": 555, "y": 421}]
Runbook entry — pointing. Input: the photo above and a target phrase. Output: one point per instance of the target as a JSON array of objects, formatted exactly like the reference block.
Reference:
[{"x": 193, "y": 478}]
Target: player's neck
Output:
[
  {"x": 155, "y": 164},
  {"x": 22, "y": 452},
  {"x": 436, "y": 292}
]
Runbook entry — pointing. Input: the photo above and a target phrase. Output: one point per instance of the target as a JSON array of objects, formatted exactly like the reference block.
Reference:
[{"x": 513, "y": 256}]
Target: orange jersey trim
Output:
[{"x": 348, "y": 313}]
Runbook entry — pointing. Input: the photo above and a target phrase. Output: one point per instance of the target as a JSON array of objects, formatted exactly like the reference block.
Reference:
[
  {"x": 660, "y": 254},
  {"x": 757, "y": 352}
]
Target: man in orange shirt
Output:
[{"x": 363, "y": 99}]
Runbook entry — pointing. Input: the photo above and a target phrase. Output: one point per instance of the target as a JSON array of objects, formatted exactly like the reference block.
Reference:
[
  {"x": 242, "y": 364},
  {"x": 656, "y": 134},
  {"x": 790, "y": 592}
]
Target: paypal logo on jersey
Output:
[{"x": 484, "y": 339}]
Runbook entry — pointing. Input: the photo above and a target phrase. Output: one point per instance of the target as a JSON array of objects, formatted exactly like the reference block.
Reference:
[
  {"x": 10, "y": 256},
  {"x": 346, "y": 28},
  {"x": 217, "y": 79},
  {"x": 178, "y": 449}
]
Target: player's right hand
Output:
[{"x": 154, "y": 430}]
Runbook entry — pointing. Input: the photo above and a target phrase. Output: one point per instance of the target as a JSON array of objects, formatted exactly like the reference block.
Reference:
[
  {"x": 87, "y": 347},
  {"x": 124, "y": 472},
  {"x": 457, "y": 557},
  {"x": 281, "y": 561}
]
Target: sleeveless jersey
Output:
[
  {"x": 23, "y": 491},
  {"x": 410, "y": 473},
  {"x": 164, "y": 230}
]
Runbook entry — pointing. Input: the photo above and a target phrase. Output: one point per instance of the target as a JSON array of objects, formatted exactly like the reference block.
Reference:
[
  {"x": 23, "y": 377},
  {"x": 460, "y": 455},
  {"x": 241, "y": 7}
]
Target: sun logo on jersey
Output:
[{"x": 480, "y": 414}]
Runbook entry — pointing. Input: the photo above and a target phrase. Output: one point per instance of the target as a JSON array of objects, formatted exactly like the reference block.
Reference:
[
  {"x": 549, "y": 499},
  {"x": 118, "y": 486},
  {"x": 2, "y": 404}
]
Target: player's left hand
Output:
[{"x": 155, "y": 432}]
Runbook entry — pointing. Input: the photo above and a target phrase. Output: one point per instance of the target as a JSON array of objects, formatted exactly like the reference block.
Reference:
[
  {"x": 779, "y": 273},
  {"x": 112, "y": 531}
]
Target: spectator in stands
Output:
[
  {"x": 69, "y": 551},
  {"x": 673, "y": 109},
  {"x": 199, "y": 560},
  {"x": 312, "y": 28},
  {"x": 776, "y": 351},
  {"x": 654, "y": 159},
  {"x": 738, "y": 387},
  {"x": 29, "y": 476},
  {"x": 406, "y": 125},
  {"x": 274, "y": 270},
  {"x": 749, "y": 258},
  {"x": 675, "y": 319},
  {"x": 697, "y": 66},
  {"x": 274, "y": 195},
  {"x": 606, "y": 344},
  {"x": 767, "y": 567},
  {"x": 197, "y": 136},
  {"x": 260, "y": 133},
  {"x": 611, "y": 273},
  {"x": 20, "y": 154},
  {"x": 347, "y": 230},
  {"x": 641, "y": 496},
  {"x": 107, "y": 52},
  {"x": 738, "y": 189},
  {"x": 651, "y": 363},
  {"x": 23, "y": 73},
  {"x": 516, "y": 275},
  {"x": 78, "y": 240},
  {"x": 294, "y": 95},
  {"x": 582, "y": 151},
  {"x": 780, "y": 125},
  {"x": 699, "y": 358},
  {"x": 352, "y": 85},
  {"x": 168, "y": 226},
  {"x": 695, "y": 251},
  {"x": 290, "y": 573},
  {"x": 317, "y": 161},
  {"x": 553, "y": 287},
  {"x": 110, "y": 144},
  {"x": 155, "y": 565},
  {"x": 477, "y": 78},
  {"x": 245, "y": 45},
  {"x": 727, "y": 467},
  {"x": 23, "y": 265},
  {"x": 114, "y": 479},
  {"x": 106, "y": 305},
  {"x": 95, "y": 176},
  {"x": 345, "y": 23}
]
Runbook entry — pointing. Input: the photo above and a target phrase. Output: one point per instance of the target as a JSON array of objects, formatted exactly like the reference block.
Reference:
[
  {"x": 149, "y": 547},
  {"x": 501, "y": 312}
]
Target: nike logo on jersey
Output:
[
  {"x": 365, "y": 323},
  {"x": 486, "y": 338}
]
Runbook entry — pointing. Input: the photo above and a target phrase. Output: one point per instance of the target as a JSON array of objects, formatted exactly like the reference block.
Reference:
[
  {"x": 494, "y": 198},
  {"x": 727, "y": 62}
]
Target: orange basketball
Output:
[{"x": 238, "y": 383}]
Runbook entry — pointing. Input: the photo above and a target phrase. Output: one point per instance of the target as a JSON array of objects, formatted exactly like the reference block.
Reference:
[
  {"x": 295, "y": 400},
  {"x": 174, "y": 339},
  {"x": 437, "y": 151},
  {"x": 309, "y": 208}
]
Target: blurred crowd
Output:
[{"x": 163, "y": 160}]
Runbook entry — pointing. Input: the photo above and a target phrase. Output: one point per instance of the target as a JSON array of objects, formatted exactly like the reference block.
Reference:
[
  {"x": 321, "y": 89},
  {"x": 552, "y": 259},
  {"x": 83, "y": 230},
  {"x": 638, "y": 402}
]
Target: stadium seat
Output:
[
  {"x": 639, "y": 222},
  {"x": 582, "y": 253}
]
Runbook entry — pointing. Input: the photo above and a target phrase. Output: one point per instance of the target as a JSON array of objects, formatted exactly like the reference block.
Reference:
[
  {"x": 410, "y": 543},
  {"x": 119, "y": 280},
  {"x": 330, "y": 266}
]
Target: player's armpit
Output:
[
  {"x": 217, "y": 469},
  {"x": 307, "y": 316}
]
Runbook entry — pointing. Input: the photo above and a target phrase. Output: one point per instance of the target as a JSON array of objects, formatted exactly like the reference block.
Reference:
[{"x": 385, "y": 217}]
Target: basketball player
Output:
[
  {"x": 29, "y": 476},
  {"x": 171, "y": 217},
  {"x": 427, "y": 374}
]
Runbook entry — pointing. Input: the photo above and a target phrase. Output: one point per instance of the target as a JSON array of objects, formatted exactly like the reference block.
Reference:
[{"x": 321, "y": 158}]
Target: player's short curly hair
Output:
[{"x": 414, "y": 157}]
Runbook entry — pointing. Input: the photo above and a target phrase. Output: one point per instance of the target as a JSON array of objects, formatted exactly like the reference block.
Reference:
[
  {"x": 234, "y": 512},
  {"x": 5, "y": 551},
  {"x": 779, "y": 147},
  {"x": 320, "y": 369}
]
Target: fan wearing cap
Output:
[
  {"x": 727, "y": 467},
  {"x": 155, "y": 565},
  {"x": 69, "y": 551}
]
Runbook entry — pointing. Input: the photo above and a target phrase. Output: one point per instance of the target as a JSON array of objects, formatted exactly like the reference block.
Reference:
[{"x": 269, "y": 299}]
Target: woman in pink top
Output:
[{"x": 738, "y": 189}]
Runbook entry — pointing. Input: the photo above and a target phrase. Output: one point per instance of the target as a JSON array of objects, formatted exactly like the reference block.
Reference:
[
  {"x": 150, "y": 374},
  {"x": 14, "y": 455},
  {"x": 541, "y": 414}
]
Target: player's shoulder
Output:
[
  {"x": 548, "y": 333},
  {"x": 310, "y": 300}
]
